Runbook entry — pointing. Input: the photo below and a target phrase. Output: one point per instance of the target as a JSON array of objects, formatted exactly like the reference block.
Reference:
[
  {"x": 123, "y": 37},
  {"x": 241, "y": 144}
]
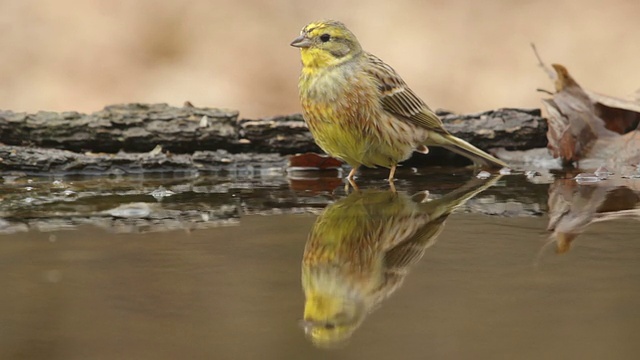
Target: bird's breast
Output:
[{"x": 339, "y": 95}]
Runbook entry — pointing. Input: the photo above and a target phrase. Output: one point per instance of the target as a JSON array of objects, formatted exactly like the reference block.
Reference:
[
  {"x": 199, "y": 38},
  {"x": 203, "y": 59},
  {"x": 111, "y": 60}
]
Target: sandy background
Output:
[{"x": 460, "y": 55}]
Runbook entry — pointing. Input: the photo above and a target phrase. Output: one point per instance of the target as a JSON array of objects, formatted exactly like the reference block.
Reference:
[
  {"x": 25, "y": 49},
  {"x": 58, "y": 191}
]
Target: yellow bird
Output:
[
  {"x": 359, "y": 109},
  {"x": 360, "y": 249}
]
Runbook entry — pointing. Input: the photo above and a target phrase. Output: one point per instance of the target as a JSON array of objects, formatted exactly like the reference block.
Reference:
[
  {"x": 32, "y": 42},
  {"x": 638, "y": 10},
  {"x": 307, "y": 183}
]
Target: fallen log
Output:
[
  {"x": 129, "y": 127},
  {"x": 514, "y": 129},
  {"x": 141, "y": 127},
  {"x": 120, "y": 138}
]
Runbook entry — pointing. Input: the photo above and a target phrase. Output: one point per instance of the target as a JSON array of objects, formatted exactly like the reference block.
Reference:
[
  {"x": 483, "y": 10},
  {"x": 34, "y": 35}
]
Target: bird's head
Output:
[
  {"x": 326, "y": 43},
  {"x": 329, "y": 320}
]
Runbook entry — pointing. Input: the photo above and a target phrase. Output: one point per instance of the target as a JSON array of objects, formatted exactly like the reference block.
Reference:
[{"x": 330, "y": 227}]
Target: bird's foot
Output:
[{"x": 351, "y": 180}]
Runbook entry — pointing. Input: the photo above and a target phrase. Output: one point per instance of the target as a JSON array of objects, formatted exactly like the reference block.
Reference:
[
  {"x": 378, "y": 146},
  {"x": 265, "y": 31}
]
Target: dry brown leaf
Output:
[
  {"x": 314, "y": 173},
  {"x": 587, "y": 125},
  {"x": 619, "y": 115},
  {"x": 574, "y": 126},
  {"x": 313, "y": 161}
]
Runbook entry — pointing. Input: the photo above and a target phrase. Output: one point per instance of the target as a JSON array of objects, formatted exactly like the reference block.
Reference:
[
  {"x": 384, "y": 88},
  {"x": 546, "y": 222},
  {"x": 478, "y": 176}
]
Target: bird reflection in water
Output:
[
  {"x": 361, "y": 248},
  {"x": 573, "y": 208}
]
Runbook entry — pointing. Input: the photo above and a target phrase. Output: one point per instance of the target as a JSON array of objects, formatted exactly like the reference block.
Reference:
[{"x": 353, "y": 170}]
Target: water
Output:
[{"x": 169, "y": 267}]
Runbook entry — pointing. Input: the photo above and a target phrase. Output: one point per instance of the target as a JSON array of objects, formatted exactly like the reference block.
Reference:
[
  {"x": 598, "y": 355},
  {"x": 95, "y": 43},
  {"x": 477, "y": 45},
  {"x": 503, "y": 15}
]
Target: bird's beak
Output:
[
  {"x": 301, "y": 42},
  {"x": 307, "y": 325}
]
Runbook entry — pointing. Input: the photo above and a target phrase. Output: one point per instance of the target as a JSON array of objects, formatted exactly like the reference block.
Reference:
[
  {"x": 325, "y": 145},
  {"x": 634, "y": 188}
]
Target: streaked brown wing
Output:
[
  {"x": 398, "y": 99},
  {"x": 410, "y": 251}
]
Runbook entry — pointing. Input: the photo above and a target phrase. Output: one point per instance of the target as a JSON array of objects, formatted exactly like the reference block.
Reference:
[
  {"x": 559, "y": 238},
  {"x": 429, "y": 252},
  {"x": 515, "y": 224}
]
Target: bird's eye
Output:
[
  {"x": 325, "y": 37},
  {"x": 329, "y": 326}
]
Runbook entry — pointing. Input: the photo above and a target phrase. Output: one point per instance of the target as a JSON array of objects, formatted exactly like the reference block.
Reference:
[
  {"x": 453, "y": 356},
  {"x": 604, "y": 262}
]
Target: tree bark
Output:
[
  {"x": 141, "y": 127},
  {"x": 129, "y": 127},
  {"x": 120, "y": 138},
  {"x": 38, "y": 160}
]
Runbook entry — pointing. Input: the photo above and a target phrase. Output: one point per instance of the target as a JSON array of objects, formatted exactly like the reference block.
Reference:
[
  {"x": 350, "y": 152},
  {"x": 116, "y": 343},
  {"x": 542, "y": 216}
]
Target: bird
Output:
[
  {"x": 359, "y": 110},
  {"x": 360, "y": 250}
]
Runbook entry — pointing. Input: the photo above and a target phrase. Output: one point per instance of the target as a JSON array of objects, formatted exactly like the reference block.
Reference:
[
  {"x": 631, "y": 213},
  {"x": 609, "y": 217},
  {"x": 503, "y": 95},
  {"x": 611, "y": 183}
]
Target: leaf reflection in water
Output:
[{"x": 573, "y": 207}]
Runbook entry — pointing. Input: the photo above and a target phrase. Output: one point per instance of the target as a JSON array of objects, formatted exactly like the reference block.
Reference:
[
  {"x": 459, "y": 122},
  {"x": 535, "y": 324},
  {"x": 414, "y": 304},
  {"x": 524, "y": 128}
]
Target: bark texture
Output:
[{"x": 120, "y": 138}]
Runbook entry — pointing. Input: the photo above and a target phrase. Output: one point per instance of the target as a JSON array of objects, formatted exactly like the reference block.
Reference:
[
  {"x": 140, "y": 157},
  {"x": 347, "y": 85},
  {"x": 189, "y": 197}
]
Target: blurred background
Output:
[{"x": 463, "y": 56}]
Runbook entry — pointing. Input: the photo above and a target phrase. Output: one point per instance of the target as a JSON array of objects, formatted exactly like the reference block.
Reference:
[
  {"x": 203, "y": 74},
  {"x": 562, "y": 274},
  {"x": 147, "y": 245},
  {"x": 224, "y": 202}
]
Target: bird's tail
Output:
[
  {"x": 465, "y": 149},
  {"x": 458, "y": 197}
]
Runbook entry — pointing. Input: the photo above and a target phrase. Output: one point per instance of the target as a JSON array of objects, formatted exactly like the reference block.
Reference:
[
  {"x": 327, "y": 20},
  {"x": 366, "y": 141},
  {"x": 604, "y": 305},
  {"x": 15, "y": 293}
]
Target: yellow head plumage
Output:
[{"x": 326, "y": 43}]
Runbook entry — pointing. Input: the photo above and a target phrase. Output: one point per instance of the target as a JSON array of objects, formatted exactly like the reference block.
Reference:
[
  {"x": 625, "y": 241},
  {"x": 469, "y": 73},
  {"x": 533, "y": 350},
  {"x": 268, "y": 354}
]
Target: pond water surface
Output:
[{"x": 233, "y": 266}]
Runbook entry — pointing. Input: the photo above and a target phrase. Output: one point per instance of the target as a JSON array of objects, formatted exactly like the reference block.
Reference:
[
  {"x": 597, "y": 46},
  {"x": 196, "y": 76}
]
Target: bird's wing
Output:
[
  {"x": 410, "y": 250},
  {"x": 398, "y": 99}
]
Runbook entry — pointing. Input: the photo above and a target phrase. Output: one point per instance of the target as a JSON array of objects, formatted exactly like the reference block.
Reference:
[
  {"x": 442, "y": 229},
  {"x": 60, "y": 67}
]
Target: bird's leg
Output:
[
  {"x": 351, "y": 180},
  {"x": 392, "y": 173},
  {"x": 353, "y": 184},
  {"x": 352, "y": 173}
]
